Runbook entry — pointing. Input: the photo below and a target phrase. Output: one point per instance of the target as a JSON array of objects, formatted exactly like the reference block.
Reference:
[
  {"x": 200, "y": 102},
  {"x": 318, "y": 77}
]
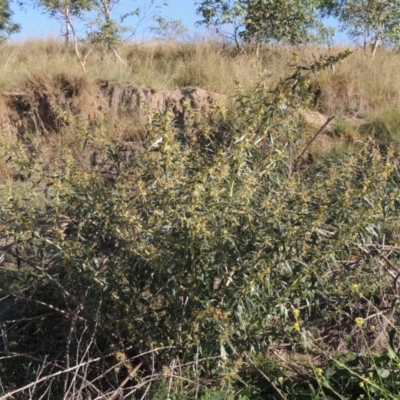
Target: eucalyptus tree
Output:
[
  {"x": 288, "y": 21},
  {"x": 374, "y": 22},
  {"x": 109, "y": 28},
  {"x": 104, "y": 26},
  {"x": 7, "y": 26},
  {"x": 66, "y": 10},
  {"x": 106, "y": 29}
]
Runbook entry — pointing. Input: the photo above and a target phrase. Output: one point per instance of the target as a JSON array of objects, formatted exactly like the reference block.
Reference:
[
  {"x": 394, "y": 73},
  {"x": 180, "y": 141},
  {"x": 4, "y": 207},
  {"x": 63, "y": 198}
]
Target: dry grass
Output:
[
  {"x": 358, "y": 86},
  {"x": 160, "y": 65}
]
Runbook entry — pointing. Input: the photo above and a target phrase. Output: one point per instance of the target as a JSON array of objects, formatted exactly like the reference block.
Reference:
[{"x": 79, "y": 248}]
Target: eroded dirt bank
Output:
[
  {"x": 50, "y": 105},
  {"x": 41, "y": 106}
]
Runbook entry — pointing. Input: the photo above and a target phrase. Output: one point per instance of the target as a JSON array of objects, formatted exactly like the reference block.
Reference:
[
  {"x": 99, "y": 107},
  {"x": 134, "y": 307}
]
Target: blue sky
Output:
[{"x": 37, "y": 24}]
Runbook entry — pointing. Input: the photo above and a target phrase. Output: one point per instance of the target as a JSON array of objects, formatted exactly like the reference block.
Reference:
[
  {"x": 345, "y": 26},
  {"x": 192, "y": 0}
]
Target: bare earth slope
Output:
[{"x": 41, "y": 104}]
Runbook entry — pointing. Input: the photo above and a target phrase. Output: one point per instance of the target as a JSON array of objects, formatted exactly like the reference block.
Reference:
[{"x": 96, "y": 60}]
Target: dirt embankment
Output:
[
  {"x": 46, "y": 105},
  {"x": 42, "y": 104}
]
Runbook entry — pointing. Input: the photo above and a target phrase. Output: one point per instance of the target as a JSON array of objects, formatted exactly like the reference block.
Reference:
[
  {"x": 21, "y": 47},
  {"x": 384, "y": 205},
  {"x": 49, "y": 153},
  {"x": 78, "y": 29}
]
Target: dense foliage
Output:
[{"x": 203, "y": 259}]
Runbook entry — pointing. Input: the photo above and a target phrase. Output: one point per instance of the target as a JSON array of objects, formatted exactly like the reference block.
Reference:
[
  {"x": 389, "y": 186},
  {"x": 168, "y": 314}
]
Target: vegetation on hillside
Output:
[
  {"x": 245, "y": 250},
  {"x": 221, "y": 258}
]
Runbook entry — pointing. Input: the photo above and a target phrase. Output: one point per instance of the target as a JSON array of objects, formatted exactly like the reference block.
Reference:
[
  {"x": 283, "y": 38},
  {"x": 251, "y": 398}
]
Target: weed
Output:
[{"x": 208, "y": 263}]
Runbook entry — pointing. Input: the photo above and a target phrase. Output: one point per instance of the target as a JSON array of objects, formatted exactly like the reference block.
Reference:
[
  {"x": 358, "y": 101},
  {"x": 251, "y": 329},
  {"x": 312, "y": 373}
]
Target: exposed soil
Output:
[
  {"x": 129, "y": 99},
  {"x": 46, "y": 105},
  {"x": 40, "y": 106}
]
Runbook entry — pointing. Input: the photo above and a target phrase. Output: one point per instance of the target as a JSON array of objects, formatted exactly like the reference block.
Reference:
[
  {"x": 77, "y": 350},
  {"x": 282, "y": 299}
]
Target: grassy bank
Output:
[{"x": 358, "y": 85}]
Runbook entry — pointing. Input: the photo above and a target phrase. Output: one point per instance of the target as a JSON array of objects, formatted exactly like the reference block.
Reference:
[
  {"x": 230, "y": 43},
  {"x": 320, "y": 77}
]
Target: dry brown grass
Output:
[
  {"x": 358, "y": 86},
  {"x": 361, "y": 86},
  {"x": 160, "y": 65}
]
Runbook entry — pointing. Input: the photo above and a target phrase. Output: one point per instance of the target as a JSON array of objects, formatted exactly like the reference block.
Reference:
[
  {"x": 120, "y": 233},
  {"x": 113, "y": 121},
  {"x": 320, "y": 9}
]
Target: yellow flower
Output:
[
  {"x": 319, "y": 371},
  {"x": 355, "y": 287},
  {"x": 296, "y": 326},
  {"x": 359, "y": 322},
  {"x": 361, "y": 396},
  {"x": 361, "y": 384},
  {"x": 296, "y": 314}
]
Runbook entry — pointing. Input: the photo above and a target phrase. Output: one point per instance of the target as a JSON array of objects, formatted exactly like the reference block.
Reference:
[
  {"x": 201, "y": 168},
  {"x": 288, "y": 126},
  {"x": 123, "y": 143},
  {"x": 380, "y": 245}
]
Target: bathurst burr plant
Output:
[{"x": 213, "y": 256}]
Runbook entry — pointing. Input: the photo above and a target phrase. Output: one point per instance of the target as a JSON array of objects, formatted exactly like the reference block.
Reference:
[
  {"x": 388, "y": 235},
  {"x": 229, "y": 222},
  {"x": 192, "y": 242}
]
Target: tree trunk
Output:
[
  {"x": 375, "y": 46},
  {"x": 67, "y": 26},
  {"x": 377, "y": 40}
]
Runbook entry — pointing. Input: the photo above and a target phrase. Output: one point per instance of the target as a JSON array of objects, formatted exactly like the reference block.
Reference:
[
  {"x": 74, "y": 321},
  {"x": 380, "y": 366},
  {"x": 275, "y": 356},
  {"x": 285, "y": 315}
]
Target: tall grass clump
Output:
[{"x": 212, "y": 262}]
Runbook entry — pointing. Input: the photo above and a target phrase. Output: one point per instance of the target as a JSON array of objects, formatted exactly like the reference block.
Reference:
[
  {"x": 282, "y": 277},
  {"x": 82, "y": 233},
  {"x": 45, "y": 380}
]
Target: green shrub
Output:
[{"x": 189, "y": 261}]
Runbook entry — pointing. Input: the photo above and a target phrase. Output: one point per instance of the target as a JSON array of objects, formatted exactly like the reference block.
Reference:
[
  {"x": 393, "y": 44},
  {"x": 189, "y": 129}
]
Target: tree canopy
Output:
[
  {"x": 7, "y": 26},
  {"x": 375, "y": 22},
  {"x": 290, "y": 21}
]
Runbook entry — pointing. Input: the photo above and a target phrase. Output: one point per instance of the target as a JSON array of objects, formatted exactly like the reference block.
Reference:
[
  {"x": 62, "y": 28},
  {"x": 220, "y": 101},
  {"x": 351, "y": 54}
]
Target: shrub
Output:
[{"x": 189, "y": 261}]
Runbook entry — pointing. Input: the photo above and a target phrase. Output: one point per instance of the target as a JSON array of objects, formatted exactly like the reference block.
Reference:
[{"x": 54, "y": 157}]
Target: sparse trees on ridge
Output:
[
  {"x": 103, "y": 27},
  {"x": 371, "y": 22}
]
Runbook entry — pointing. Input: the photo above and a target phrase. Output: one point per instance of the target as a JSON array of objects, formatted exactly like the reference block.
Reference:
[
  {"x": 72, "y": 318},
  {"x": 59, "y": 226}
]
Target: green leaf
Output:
[
  {"x": 383, "y": 372},
  {"x": 392, "y": 354},
  {"x": 222, "y": 352}
]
